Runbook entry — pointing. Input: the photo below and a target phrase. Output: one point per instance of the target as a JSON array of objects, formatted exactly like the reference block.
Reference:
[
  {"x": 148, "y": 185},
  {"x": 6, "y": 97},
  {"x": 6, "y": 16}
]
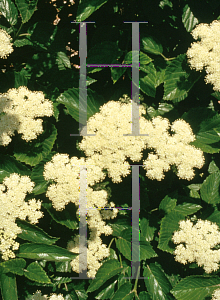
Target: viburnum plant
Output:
[{"x": 43, "y": 166}]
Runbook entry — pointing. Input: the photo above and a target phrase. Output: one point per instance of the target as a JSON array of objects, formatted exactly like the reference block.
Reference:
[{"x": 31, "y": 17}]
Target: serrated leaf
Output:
[
  {"x": 109, "y": 269},
  {"x": 164, "y": 108},
  {"x": 63, "y": 61},
  {"x": 123, "y": 292},
  {"x": 67, "y": 217},
  {"x": 34, "y": 151},
  {"x": 167, "y": 204},
  {"x": 123, "y": 243},
  {"x": 179, "y": 79},
  {"x": 34, "y": 234},
  {"x": 188, "y": 19},
  {"x": 63, "y": 266},
  {"x": 139, "y": 56},
  {"x": 213, "y": 167},
  {"x": 210, "y": 189},
  {"x": 70, "y": 99},
  {"x": 157, "y": 284},
  {"x": 45, "y": 252},
  {"x": 169, "y": 224},
  {"x": 147, "y": 231},
  {"x": 9, "y": 11},
  {"x": 26, "y": 8},
  {"x": 195, "y": 287},
  {"x": 9, "y": 165},
  {"x": 36, "y": 273},
  {"x": 88, "y": 7},
  {"x": 15, "y": 266},
  {"x": 8, "y": 286},
  {"x": 148, "y": 82},
  {"x": 41, "y": 184},
  {"x": 150, "y": 44},
  {"x": 22, "y": 42}
]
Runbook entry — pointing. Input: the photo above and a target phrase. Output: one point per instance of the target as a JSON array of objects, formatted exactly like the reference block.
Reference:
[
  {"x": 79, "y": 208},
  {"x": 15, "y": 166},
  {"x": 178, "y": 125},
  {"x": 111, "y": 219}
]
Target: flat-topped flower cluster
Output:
[{"x": 199, "y": 239}]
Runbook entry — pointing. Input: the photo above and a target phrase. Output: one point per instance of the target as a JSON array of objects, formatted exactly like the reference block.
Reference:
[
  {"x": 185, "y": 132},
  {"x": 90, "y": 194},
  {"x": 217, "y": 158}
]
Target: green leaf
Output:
[
  {"x": 103, "y": 53},
  {"x": 210, "y": 189},
  {"x": 124, "y": 292},
  {"x": 41, "y": 184},
  {"x": 8, "y": 286},
  {"x": 67, "y": 217},
  {"x": 215, "y": 218},
  {"x": 196, "y": 287},
  {"x": 144, "y": 296},
  {"x": 150, "y": 44},
  {"x": 45, "y": 252},
  {"x": 20, "y": 79},
  {"x": 108, "y": 270},
  {"x": 34, "y": 151},
  {"x": 88, "y": 7},
  {"x": 179, "y": 79},
  {"x": 15, "y": 266},
  {"x": 117, "y": 72},
  {"x": 213, "y": 167},
  {"x": 70, "y": 99},
  {"x": 160, "y": 66},
  {"x": 157, "y": 284},
  {"x": 208, "y": 137},
  {"x": 9, "y": 11},
  {"x": 164, "y": 108},
  {"x": 167, "y": 204},
  {"x": 141, "y": 57},
  {"x": 148, "y": 82},
  {"x": 9, "y": 165},
  {"x": 63, "y": 266},
  {"x": 22, "y": 42},
  {"x": 123, "y": 243},
  {"x": 34, "y": 234},
  {"x": 188, "y": 19},
  {"x": 147, "y": 231},
  {"x": 26, "y": 8},
  {"x": 36, "y": 273},
  {"x": 169, "y": 224},
  {"x": 63, "y": 61},
  {"x": 119, "y": 226}
]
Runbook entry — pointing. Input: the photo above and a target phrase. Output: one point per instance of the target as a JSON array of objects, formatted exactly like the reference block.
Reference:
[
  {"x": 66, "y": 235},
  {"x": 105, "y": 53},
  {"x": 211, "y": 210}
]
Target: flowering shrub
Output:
[{"x": 52, "y": 180}]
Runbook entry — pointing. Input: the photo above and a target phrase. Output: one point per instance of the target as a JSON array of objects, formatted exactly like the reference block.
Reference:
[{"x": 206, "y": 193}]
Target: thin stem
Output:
[
  {"x": 136, "y": 281},
  {"x": 18, "y": 32},
  {"x": 111, "y": 243},
  {"x": 167, "y": 59}
]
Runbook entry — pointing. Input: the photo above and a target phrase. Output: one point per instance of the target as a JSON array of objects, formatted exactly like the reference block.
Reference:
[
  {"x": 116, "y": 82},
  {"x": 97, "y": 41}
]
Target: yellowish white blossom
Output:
[
  {"x": 199, "y": 239},
  {"x": 66, "y": 173},
  {"x": 12, "y": 206},
  {"x": 19, "y": 109},
  {"x": 38, "y": 296},
  {"x": 205, "y": 53},
  {"x": 5, "y": 44},
  {"x": 109, "y": 148},
  {"x": 216, "y": 295}
]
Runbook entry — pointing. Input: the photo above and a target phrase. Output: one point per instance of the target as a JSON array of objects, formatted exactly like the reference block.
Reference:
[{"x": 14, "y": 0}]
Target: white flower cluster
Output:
[
  {"x": 66, "y": 173},
  {"x": 38, "y": 296},
  {"x": 13, "y": 206},
  {"x": 205, "y": 53},
  {"x": 5, "y": 44},
  {"x": 109, "y": 147},
  {"x": 18, "y": 110},
  {"x": 216, "y": 295},
  {"x": 199, "y": 240}
]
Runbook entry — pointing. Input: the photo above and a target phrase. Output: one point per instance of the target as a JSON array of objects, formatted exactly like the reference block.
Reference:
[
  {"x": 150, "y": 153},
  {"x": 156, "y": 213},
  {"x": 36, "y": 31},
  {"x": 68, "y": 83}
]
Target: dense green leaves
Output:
[{"x": 109, "y": 269}]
